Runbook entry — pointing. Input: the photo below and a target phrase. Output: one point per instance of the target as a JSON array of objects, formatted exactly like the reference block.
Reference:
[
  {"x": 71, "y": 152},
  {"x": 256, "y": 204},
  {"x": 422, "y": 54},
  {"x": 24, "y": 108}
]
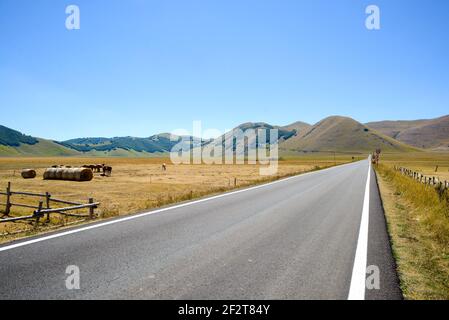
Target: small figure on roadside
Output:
[{"x": 164, "y": 167}]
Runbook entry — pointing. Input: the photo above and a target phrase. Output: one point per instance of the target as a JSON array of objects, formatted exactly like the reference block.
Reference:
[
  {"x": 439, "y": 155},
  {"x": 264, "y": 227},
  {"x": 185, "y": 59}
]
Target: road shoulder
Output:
[{"x": 379, "y": 250}]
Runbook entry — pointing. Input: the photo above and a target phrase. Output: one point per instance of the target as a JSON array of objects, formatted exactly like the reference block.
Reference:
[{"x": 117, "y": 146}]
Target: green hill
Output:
[
  {"x": 251, "y": 142},
  {"x": 160, "y": 143},
  {"x": 41, "y": 147},
  {"x": 13, "y": 138},
  {"x": 14, "y": 143}
]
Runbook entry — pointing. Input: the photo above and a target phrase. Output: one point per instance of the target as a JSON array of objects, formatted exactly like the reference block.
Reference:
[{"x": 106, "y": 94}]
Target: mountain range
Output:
[
  {"x": 341, "y": 134},
  {"x": 426, "y": 134},
  {"x": 332, "y": 134}
]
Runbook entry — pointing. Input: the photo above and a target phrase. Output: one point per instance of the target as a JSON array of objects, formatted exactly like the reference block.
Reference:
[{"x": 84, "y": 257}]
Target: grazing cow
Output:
[
  {"x": 90, "y": 166},
  {"x": 107, "y": 171}
]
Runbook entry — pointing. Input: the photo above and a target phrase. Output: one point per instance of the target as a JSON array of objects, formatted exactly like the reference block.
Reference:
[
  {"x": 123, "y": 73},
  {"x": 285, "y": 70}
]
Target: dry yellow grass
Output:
[
  {"x": 422, "y": 162},
  {"x": 136, "y": 184},
  {"x": 418, "y": 222}
]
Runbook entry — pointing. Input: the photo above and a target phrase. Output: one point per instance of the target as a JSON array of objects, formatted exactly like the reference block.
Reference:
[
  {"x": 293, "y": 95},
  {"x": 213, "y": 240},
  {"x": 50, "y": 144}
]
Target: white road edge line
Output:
[
  {"x": 140, "y": 215},
  {"x": 358, "y": 279}
]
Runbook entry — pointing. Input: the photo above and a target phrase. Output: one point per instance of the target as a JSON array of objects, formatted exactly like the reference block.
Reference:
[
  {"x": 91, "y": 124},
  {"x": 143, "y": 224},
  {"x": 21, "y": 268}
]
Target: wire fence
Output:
[{"x": 440, "y": 186}]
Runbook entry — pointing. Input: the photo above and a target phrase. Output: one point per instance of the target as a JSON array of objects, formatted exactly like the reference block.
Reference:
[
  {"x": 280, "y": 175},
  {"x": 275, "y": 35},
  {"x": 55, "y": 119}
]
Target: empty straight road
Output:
[{"x": 293, "y": 239}]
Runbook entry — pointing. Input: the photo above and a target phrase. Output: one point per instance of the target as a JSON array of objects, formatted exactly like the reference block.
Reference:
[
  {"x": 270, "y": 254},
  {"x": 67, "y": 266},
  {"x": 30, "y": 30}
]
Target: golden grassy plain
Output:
[
  {"x": 136, "y": 184},
  {"x": 423, "y": 162},
  {"x": 418, "y": 223}
]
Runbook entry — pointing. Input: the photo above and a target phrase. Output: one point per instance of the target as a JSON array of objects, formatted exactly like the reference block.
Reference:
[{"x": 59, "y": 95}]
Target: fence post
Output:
[
  {"x": 91, "y": 209},
  {"x": 8, "y": 199},
  {"x": 37, "y": 213},
  {"x": 47, "y": 200},
  {"x": 440, "y": 190}
]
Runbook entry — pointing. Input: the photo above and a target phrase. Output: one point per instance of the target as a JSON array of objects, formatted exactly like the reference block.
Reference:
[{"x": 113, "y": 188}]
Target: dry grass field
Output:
[
  {"x": 418, "y": 222},
  {"x": 136, "y": 184},
  {"x": 423, "y": 162}
]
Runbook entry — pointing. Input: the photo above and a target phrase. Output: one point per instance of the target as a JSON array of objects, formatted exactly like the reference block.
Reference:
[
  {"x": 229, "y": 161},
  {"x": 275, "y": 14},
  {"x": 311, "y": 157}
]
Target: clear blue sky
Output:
[{"x": 142, "y": 67}]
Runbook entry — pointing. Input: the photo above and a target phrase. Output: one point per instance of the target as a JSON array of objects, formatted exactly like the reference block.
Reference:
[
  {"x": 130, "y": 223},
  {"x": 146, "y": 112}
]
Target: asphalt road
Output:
[{"x": 293, "y": 239}]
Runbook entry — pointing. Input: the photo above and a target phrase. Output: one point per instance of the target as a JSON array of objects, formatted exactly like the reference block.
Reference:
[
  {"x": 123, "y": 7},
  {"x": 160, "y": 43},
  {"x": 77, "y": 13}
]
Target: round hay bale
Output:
[
  {"x": 69, "y": 174},
  {"x": 28, "y": 174},
  {"x": 86, "y": 175},
  {"x": 58, "y": 173},
  {"x": 50, "y": 174}
]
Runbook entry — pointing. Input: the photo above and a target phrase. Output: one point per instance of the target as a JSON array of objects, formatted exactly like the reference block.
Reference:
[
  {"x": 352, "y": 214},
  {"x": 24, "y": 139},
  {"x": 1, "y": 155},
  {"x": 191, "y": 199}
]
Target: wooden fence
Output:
[
  {"x": 44, "y": 206},
  {"x": 441, "y": 187}
]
